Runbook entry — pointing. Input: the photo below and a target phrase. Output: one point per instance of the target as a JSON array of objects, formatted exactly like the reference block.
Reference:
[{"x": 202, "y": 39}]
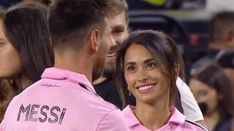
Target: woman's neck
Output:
[
  {"x": 212, "y": 120},
  {"x": 153, "y": 117}
]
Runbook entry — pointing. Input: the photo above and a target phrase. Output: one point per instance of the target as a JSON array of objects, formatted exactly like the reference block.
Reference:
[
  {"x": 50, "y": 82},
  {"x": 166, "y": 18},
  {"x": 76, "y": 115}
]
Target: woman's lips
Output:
[{"x": 146, "y": 88}]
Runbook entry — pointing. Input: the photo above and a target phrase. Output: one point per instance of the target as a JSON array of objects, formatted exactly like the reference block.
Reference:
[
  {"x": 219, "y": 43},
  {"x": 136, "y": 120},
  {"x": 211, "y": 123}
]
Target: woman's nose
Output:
[{"x": 142, "y": 75}]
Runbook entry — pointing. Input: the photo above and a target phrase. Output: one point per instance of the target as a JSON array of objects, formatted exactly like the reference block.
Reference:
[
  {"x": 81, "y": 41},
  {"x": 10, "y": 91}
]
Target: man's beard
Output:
[{"x": 108, "y": 73}]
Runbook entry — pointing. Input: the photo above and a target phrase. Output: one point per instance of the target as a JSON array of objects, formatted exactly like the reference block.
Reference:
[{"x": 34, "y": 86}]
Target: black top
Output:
[{"x": 108, "y": 91}]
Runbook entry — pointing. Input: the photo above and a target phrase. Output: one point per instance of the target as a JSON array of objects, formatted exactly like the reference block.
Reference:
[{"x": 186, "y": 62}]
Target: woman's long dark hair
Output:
[
  {"x": 26, "y": 27},
  {"x": 8, "y": 89}
]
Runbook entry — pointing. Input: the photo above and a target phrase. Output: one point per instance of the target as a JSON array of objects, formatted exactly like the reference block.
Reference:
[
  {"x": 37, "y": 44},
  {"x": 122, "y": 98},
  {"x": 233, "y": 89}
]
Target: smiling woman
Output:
[
  {"x": 144, "y": 77},
  {"x": 148, "y": 65}
]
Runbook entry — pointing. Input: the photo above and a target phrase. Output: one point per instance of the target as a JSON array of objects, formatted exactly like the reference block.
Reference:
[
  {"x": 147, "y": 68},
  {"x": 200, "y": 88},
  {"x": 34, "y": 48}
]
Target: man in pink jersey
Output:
[{"x": 64, "y": 99}]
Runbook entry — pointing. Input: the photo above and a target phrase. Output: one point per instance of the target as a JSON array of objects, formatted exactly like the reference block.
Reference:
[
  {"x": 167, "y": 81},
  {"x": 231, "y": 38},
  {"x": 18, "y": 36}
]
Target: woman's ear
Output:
[
  {"x": 177, "y": 70},
  {"x": 129, "y": 91},
  {"x": 94, "y": 40}
]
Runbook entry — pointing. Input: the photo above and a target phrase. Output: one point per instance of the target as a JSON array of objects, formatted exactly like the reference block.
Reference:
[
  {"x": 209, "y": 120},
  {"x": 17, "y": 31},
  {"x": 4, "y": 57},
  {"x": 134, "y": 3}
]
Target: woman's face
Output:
[
  {"x": 9, "y": 57},
  {"x": 205, "y": 94},
  {"x": 143, "y": 76}
]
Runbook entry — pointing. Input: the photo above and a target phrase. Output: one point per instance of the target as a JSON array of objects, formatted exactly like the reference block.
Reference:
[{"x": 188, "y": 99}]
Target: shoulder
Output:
[
  {"x": 114, "y": 114},
  {"x": 114, "y": 121},
  {"x": 178, "y": 120},
  {"x": 127, "y": 112},
  {"x": 130, "y": 117}
]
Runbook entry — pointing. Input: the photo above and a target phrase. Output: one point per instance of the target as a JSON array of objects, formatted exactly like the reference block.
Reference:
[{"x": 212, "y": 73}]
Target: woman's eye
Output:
[
  {"x": 2, "y": 42},
  {"x": 151, "y": 65},
  {"x": 130, "y": 68},
  {"x": 204, "y": 93}
]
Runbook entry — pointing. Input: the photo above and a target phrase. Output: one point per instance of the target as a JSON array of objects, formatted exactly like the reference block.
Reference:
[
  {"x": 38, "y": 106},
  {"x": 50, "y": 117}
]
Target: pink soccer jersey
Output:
[
  {"x": 176, "y": 122},
  {"x": 62, "y": 101}
]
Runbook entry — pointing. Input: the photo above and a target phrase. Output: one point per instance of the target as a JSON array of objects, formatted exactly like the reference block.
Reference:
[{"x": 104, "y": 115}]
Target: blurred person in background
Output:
[
  {"x": 214, "y": 93},
  {"x": 221, "y": 46},
  {"x": 25, "y": 48}
]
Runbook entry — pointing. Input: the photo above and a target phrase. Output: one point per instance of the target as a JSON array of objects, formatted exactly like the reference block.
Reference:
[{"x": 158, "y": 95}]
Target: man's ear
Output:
[{"x": 94, "y": 40}]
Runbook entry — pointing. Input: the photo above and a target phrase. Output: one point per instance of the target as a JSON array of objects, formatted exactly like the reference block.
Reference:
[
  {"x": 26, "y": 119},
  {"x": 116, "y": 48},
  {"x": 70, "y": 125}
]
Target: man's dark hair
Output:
[
  {"x": 71, "y": 21},
  {"x": 221, "y": 23}
]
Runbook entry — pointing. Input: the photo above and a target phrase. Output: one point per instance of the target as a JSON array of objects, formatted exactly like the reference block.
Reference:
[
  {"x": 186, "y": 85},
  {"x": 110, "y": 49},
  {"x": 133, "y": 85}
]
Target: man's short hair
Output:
[
  {"x": 116, "y": 7},
  {"x": 71, "y": 21},
  {"x": 221, "y": 23}
]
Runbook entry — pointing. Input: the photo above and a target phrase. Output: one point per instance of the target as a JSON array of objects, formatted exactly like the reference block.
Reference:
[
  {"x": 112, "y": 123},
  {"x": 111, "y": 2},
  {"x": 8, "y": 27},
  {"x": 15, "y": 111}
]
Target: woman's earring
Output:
[{"x": 129, "y": 93}]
